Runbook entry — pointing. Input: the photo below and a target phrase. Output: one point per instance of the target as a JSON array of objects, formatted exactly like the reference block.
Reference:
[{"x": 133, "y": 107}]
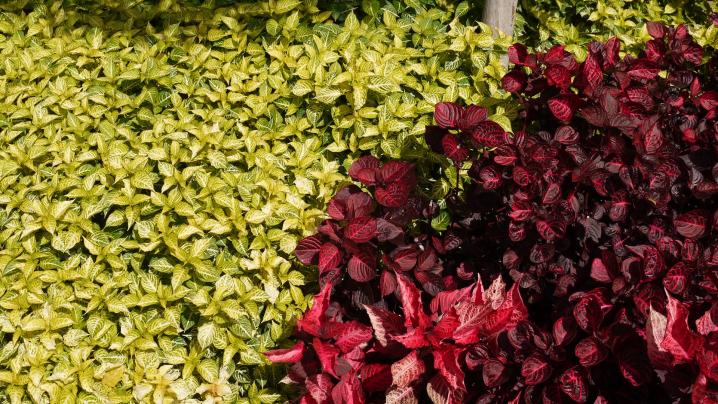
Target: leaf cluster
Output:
[{"x": 156, "y": 174}]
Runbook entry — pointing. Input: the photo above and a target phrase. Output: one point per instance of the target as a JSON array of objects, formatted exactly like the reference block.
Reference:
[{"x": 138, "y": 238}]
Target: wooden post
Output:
[{"x": 500, "y": 14}]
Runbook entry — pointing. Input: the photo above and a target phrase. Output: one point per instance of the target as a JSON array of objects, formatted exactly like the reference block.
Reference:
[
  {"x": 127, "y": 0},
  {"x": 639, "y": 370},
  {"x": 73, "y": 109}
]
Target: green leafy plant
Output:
[
  {"x": 156, "y": 172},
  {"x": 575, "y": 23}
]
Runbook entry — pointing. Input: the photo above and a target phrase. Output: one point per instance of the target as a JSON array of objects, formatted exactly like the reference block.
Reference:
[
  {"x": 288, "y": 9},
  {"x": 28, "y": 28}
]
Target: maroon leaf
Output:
[
  {"x": 363, "y": 169},
  {"x": 361, "y": 229},
  {"x": 709, "y": 100},
  {"x": 561, "y": 107},
  {"x": 488, "y": 134},
  {"x": 453, "y": 149},
  {"x": 396, "y": 171},
  {"x": 573, "y": 383},
  {"x": 592, "y": 71},
  {"x": 329, "y": 257},
  {"x": 676, "y": 280},
  {"x": 348, "y": 390},
  {"x": 314, "y": 320},
  {"x": 691, "y": 224},
  {"x": 564, "y": 330},
  {"x": 375, "y": 377},
  {"x": 491, "y": 177},
  {"x": 401, "y": 395},
  {"x": 359, "y": 204},
  {"x": 387, "y": 231},
  {"x": 307, "y": 250},
  {"x": 471, "y": 117},
  {"x": 590, "y": 352},
  {"x": 550, "y": 230},
  {"x": 535, "y": 370},
  {"x": 656, "y": 29},
  {"x": 447, "y": 115},
  {"x": 395, "y": 195},
  {"x": 518, "y": 54},
  {"x": 514, "y": 81},
  {"x": 494, "y": 373},
  {"x": 327, "y": 355},
  {"x": 320, "y": 388},
  {"x": 387, "y": 283},
  {"x": 384, "y": 323},
  {"x": 558, "y": 76},
  {"x": 566, "y": 135},
  {"x": 600, "y": 272},
  {"x": 678, "y": 340},
  {"x": 521, "y": 176},
  {"x": 361, "y": 268}
]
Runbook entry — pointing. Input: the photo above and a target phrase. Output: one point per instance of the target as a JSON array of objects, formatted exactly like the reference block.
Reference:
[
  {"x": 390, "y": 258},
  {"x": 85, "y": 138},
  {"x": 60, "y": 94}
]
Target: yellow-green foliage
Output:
[
  {"x": 543, "y": 23},
  {"x": 156, "y": 175}
]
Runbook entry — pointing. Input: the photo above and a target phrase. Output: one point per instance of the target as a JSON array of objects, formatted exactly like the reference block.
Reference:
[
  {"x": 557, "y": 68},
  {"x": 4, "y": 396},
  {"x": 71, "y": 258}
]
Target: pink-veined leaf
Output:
[
  {"x": 408, "y": 369},
  {"x": 327, "y": 354},
  {"x": 535, "y": 370},
  {"x": 329, "y": 257},
  {"x": 384, "y": 323},
  {"x": 446, "y": 360},
  {"x": 375, "y": 377},
  {"x": 307, "y": 250},
  {"x": 351, "y": 334},
  {"x": 562, "y": 107},
  {"x": 488, "y": 134},
  {"x": 286, "y": 355},
  {"x": 412, "y": 306},
  {"x": 447, "y": 114},
  {"x": 361, "y": 229},
  {"x": 361, "y": 268},
  {"x": 394, "y": 195},
  {"x": 453, "y": 148},
  {"x": 369, "y": 165},
  {"x": 691, "y": 224}
]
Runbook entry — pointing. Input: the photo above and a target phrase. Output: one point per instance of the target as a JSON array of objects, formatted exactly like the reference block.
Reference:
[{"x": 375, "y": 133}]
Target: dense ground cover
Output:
[
  {"x": 594, "y": 225},
  {"x": 159, "y": 162},
  {"x": 575, "y": 23}
]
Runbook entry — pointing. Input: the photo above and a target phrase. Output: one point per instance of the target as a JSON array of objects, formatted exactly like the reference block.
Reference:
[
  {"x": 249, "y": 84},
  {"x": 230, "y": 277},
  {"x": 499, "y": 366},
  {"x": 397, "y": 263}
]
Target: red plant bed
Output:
[{"x": 580, "y": 264}]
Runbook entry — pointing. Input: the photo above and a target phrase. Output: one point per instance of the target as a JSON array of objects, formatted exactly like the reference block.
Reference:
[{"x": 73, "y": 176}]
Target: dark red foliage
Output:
[{"x": 595, "y": 227}]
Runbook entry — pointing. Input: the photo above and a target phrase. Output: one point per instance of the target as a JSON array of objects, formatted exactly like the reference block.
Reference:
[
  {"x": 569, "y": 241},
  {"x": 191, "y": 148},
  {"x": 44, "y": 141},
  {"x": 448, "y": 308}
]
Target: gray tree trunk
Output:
[{"x": 500, "y": 14}]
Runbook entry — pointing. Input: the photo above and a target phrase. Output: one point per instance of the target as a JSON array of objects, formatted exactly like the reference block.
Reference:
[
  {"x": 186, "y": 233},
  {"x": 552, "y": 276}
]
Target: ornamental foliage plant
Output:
[
  {"x": 157, "y": 171},
  {"x": 578, "y": 264},
  {"x": 575, "y": 23}
]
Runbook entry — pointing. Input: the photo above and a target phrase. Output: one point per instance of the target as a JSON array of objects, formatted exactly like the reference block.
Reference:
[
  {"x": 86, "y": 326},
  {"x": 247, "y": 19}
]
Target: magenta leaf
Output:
[{"x": 288, "y": 355}]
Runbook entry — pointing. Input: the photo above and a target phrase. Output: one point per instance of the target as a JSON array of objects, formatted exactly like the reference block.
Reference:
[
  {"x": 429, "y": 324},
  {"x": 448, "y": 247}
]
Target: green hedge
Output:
[
  {"x": 157, "y": 170},
  {"x": 543, "y": 23}
]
